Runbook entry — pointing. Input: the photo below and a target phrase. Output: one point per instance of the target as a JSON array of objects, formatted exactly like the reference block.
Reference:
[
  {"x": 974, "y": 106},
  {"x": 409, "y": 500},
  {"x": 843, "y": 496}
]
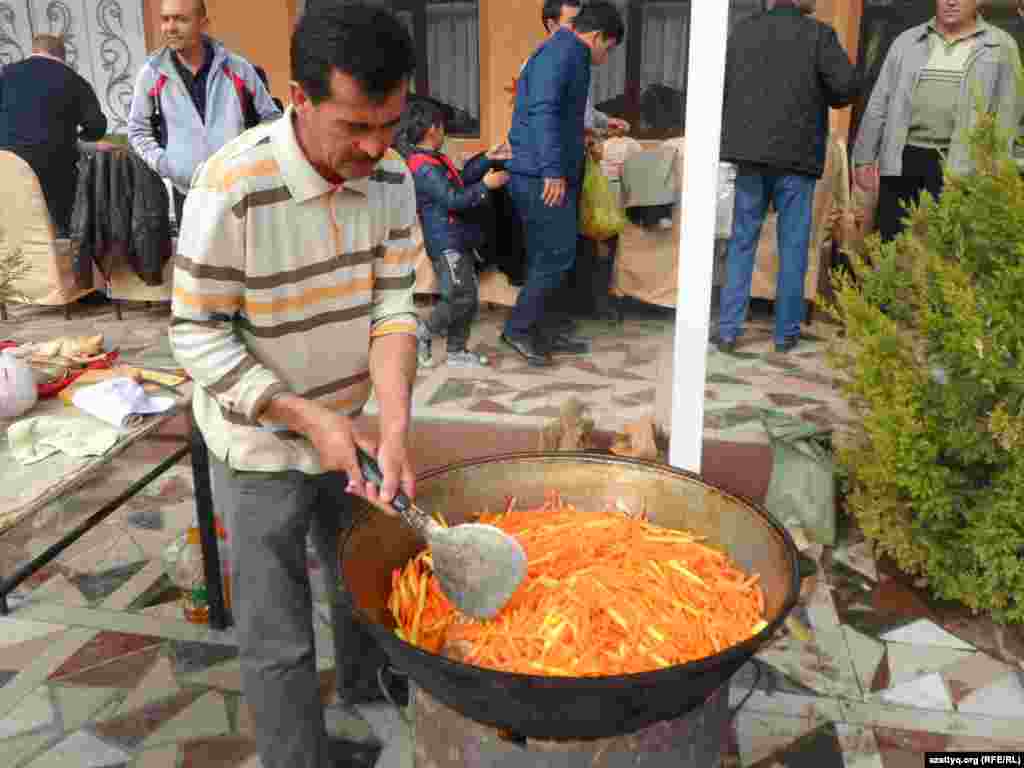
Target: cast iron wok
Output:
[{"x": 560, "y": 708}]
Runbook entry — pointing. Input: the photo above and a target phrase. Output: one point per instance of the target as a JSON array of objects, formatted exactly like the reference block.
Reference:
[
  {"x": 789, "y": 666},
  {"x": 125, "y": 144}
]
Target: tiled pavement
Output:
[{"x": 99, "y": 669}]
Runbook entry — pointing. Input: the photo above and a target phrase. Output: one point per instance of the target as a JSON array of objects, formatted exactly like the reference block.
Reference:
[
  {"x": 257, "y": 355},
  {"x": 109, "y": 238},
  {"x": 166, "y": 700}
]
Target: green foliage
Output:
[
  {"x": 933, "y": 361},
  {"x": 13, "y": 267}
]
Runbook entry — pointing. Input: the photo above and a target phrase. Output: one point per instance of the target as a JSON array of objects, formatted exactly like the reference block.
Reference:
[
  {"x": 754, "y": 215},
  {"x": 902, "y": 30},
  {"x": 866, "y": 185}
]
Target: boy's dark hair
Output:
[
  {"x": 419, "y": 117},
  {"x": 601, "y": 16},
  {"x": 366, "y": 43},
  {"x": 552, "y": 10}
]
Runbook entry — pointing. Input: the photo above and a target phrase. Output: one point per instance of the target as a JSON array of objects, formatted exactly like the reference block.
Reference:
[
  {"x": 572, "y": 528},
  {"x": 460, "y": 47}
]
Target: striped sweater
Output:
[{"x": 281, "y": 281}]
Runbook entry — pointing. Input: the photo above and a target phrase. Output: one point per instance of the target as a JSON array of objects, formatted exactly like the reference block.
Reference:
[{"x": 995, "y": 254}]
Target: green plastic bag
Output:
[
  {"x": 601, "y": 218},
  {"x": 802, "y": 489}
]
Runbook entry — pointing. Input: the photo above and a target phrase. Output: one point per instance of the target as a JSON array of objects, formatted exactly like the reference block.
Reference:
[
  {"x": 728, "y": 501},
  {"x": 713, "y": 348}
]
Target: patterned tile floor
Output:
[{"x": 98, "y": 668}]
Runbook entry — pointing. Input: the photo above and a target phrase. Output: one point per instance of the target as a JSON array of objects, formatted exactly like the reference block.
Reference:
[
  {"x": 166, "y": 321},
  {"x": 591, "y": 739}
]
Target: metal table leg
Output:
[
  {"x": 207, "y": 530},
  {"x": 8, "y": 585}
]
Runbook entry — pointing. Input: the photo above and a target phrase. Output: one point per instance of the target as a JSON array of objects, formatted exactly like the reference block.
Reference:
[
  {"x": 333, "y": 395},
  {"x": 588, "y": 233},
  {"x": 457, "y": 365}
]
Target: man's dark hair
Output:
[
  {"x": 552, "y": 10},
  {"x": 601, "y": 16},
  {"x": 368, "y": 44},
  {"x": 419, "y": 117}
]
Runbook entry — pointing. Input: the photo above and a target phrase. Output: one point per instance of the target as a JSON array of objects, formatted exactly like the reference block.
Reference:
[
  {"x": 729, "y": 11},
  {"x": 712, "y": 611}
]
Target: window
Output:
[
  {"x": 447, "y": 39},
  {"x": 644, "y": 80},
  {"x": 884, "y": 20}
]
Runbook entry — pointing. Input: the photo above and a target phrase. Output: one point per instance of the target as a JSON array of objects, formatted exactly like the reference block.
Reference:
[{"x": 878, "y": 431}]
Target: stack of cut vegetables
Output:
[{"x": 605, "y": 594}]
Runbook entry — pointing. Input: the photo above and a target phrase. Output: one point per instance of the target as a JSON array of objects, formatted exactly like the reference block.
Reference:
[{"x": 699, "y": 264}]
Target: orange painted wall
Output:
[
  {"x": 261, "y": 33},
  {"x": 844, "y": 16}
]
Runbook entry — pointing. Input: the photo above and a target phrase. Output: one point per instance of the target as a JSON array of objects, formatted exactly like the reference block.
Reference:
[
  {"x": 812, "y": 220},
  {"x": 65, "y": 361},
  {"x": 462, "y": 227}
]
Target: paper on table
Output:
[{"x": 121, "y": 402}]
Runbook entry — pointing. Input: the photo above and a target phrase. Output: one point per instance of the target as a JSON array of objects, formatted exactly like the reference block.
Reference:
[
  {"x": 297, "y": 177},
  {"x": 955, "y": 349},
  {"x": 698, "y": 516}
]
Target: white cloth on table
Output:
[{"x": 120, "y": 402}]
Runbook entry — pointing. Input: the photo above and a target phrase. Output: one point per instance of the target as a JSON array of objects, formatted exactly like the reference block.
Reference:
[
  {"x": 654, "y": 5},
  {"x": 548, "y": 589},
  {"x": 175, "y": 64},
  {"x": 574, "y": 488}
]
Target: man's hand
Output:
[
  {"x": 618, "y": 125},
  {"x": 335, "y": 438},
  {"x": 866, "y": 177},
  {"x": 554, "y": 192},
  {"x": 496, "y": 179},
  {"x": 501, "y": 151},
  {"x": 396, "y": 466}
]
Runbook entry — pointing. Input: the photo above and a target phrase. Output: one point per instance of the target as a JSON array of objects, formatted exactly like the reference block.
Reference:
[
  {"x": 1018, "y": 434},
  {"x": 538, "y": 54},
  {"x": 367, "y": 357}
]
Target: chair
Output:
[
  {"x": 123, "y": 284},
  {"x": 26, "y": 226}
]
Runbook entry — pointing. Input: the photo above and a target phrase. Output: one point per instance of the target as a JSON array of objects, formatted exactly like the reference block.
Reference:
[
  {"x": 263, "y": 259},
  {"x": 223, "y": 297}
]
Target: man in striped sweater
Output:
[{"x": 292, "y": 298}]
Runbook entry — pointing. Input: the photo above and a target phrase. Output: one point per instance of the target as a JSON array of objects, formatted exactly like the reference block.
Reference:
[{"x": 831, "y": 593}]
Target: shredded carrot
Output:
[{"x": 605, "y": 594}]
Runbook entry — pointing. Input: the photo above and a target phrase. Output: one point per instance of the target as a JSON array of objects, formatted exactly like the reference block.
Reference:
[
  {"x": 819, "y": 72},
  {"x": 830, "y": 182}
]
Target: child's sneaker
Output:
[
  {"x": 423, "y": 345},
  {"x": 466, "y": 359}
]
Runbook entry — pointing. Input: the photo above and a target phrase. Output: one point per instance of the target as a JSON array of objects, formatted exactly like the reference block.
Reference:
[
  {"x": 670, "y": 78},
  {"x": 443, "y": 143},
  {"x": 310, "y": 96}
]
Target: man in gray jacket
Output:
[
  {"x": 191, "y": 98},
  {"x": 925, "y": 102}
]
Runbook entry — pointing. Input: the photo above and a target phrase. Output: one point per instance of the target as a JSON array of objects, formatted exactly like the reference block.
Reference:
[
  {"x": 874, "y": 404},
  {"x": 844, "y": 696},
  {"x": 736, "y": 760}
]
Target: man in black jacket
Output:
[
  {"x": 45, "y": 108},
  {"x": 783, "y": 71}
]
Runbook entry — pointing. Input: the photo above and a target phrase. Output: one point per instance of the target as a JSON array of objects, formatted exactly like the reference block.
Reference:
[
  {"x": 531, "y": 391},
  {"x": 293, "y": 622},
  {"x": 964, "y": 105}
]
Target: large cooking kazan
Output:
[{"x": 560, "y": 707}]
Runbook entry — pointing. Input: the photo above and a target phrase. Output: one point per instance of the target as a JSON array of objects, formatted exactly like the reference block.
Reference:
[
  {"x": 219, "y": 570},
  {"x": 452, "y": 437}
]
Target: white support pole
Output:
[{"x": 709, "y": 28}]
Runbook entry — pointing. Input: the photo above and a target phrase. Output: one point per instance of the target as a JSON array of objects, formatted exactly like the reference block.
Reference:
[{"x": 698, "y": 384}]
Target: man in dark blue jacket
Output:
[
  {"x": 443, "y": 197},
  {"x": 547, "y": 139},
  {"x": 45, "y": 108}
]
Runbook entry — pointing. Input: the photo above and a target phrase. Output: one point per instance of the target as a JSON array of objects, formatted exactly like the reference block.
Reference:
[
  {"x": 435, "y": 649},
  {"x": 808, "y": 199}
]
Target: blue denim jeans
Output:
[
  {"x": 550, "y": 235},
  {"x": 792, "y": 195}
]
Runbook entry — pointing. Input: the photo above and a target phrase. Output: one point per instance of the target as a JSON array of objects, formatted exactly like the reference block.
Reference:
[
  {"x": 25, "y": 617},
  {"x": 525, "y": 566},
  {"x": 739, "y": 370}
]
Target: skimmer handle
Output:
[{"x": 417, "y": 519}]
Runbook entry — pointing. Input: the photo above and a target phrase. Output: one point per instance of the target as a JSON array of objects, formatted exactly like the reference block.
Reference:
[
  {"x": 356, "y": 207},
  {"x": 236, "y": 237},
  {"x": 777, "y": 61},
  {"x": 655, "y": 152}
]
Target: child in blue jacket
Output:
[{"x": 443, "y": 197}]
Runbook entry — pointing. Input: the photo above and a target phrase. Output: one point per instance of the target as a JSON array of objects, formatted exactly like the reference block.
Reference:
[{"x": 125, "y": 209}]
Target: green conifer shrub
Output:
[{"x": 932, "y": 361}]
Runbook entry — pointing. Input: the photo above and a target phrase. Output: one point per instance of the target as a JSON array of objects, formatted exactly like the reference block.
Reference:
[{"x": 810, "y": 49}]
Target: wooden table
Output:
[{"x": 25, "y": 490}]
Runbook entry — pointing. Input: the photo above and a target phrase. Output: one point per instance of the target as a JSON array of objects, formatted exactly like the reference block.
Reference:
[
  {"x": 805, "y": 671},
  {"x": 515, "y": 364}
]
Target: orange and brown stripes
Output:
[
  {"x": 208, "y": 303},
  {"x": 278, "y": 279},
  {"x": 280, "y": 330},
  {"x": 224, "y": 179},
  {"x": 232, "y": 377},
  {"x": 392, "y": 257},
  {"x": 394, "y": 283},
  {"x": 309, "y": 298},
  {"x": 259, "y": 199},
  {"x": 208, "y": 271}
]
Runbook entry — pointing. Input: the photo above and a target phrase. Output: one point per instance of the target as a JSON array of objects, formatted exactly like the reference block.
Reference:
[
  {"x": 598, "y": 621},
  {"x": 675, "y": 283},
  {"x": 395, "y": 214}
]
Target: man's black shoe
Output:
[
  {"x": 565, "y": 344},
  {"x": 787, "y": 345},
  {"x": 528, "y": 350}
]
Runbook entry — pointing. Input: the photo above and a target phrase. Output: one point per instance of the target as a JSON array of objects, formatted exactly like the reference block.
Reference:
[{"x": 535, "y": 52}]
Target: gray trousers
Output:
[{"x": 268, "y": 516}]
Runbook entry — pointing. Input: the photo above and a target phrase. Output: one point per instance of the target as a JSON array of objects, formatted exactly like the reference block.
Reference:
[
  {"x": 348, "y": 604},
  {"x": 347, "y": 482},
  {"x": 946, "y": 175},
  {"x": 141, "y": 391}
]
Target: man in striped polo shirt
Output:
[{"x": 292, "y": 298}]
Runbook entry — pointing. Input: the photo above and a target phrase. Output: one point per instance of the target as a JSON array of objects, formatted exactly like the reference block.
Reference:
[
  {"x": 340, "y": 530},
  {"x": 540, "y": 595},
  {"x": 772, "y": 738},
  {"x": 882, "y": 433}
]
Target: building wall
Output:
[
  {"x": 509, "y": 31},
  {"x": 844, "y": 16}
]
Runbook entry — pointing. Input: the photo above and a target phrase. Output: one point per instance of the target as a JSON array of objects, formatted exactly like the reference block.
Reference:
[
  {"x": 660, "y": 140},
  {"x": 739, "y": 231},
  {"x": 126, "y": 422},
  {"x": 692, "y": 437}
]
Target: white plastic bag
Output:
[{"x": 17, "y": 386}]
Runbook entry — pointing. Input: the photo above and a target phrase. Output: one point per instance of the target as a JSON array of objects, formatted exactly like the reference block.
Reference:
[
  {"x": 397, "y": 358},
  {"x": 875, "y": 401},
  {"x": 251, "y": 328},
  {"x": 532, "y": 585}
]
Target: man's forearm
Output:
[
  {"x": 393, "y": 372},
  {"x": 294, "y": 412}
]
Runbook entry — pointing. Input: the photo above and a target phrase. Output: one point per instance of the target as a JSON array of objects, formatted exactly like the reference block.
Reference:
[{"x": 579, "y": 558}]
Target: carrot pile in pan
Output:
[{"x": 605, "y": 594}]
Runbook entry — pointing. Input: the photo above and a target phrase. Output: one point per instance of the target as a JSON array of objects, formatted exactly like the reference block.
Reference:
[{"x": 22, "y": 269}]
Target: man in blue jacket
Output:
[{"x": 547, "y": 167}]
